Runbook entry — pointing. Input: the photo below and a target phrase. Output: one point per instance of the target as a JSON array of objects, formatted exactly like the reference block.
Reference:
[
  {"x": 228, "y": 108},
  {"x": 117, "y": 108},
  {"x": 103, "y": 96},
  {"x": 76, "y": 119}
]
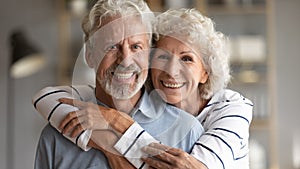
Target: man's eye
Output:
[
  {"x": 164, "y": 57},
  {"x": 136, "y": 46},
  {"x": 187, "y": 59}
]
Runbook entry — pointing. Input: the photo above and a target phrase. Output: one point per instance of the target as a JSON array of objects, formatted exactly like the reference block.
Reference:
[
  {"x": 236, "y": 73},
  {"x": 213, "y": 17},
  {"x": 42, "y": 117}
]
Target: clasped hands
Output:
[{"x": 95, "y": 117}]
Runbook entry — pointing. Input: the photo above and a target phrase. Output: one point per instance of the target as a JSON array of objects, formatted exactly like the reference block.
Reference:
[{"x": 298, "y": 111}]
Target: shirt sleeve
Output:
[
  {"x": 44, "y": 157},
  {"x": 130, "y": 144},
  {"x": 46, "y": 103},
  {"x": 226, "y": 137}
]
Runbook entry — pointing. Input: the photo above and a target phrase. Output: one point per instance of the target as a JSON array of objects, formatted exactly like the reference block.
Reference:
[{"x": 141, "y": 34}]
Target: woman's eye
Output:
[
  {"x": 187, "y": 59},
  {"x": 111, "y": 47}
]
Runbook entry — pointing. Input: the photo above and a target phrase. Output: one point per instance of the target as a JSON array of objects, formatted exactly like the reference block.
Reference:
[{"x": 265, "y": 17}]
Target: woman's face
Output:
[{"x": 176, "y": 70}]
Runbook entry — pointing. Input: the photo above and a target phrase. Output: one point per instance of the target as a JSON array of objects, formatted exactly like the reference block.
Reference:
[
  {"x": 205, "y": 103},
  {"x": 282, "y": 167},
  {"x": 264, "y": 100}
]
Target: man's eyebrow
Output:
[{"x": 139, "y": 42}]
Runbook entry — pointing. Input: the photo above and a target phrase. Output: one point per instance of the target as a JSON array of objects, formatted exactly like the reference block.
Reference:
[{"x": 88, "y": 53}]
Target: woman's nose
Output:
[{"x": 172, "y": 67}]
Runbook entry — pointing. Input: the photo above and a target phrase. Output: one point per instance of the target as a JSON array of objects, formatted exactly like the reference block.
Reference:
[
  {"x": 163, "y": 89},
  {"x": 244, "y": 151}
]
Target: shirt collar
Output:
[{"x": 144, "y": 105}]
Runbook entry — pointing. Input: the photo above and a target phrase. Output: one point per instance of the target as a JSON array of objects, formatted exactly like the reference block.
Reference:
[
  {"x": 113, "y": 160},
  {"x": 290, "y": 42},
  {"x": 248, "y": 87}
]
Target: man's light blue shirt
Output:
[{"x": 168, "y": 124}]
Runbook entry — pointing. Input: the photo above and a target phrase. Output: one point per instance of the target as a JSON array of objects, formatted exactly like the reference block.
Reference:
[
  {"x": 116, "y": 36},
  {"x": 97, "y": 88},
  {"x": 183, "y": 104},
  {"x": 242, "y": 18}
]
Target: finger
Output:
[
  {"x": 71, "y": 126},
  {"x": 152, "y": 151},
  {"x": 156, "y": 163},
  {"x": 73, "y": 102},
  {"x": 160, "y": 154},
  {"x": 67, "y": 120},
  {"x": 77, "y": 130},
  {"x": 171, "y": 150}
]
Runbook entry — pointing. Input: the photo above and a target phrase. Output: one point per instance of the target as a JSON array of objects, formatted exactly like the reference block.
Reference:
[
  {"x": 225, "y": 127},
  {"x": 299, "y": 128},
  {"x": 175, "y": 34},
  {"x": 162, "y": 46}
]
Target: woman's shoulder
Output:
[
  {"x": 227, "y": 102},
  {"x": 230, "y": 96}
]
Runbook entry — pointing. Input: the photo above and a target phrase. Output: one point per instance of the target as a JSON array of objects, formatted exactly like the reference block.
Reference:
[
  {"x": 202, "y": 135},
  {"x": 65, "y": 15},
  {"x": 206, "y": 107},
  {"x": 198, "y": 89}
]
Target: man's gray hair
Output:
[{"x": 110, "y": 8}]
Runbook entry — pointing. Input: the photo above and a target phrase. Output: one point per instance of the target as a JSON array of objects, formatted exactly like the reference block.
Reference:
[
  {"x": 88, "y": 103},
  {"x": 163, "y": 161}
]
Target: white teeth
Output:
[
  {"x": 173, "y": 85},
  {"x": 123, "y": 75}
]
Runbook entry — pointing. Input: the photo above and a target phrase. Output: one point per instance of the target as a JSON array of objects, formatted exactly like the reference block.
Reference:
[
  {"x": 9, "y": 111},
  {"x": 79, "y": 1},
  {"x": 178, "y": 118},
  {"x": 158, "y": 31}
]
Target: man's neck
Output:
[{"x": 123, "y": 105}]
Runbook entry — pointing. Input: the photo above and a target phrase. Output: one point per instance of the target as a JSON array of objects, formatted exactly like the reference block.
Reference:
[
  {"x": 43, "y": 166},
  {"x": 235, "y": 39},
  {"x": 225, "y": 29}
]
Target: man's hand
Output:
[{"x": 168, "y": 157}]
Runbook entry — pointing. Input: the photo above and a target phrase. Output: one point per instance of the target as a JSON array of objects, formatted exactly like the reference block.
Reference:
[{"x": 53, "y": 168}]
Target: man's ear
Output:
[{"x": 88, "y": 56}]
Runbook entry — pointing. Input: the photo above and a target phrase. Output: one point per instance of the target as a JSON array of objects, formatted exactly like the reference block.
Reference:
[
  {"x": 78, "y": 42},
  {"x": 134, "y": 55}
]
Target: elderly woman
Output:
[{"x": 190, "y": 70}]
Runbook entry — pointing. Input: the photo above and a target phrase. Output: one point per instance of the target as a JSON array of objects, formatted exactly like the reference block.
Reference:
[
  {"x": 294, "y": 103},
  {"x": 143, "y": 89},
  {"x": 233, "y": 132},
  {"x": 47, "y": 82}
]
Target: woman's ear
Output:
[{"x": 204, "y": 77}]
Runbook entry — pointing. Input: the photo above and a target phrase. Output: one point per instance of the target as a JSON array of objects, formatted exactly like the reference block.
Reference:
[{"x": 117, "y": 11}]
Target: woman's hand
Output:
[
  {"x": 104, "y": 140},
  {"x": 168, "y": 157},
  {"x": 94, "y": 117},
  {"x": 89, "y": 116}
]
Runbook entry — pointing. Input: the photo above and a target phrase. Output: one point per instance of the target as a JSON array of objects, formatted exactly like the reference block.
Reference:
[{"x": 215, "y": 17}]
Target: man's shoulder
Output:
[
  {"x": 50, "y": 135},
  {"x": 49, "y": 131}
]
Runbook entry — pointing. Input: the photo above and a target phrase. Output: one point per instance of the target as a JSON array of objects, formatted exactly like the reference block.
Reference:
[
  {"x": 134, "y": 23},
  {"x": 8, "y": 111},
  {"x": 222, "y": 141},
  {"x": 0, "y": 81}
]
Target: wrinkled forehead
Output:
[
  {"x": 182, "y": 39},
  {"x": 116, "y": 29}
]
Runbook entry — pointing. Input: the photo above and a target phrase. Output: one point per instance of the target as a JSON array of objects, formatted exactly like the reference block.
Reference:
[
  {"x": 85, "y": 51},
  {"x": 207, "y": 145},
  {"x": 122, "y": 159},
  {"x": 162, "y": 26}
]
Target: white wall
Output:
[
  {"x": 38, "y": 19},
  {"x": 287, "y": 55}
]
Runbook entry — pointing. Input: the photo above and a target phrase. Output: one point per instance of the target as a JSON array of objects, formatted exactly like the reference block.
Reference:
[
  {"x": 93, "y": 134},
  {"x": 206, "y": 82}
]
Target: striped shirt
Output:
[
  {"x": 155, "y": 120},
  {"x": 224, "y": 144},
  {"x": 226, "y": 120},
  {"x": 46, "y": 103}
]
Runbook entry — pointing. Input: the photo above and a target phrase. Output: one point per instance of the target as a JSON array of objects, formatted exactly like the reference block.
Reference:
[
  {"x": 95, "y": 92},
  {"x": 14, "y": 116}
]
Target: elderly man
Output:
[{"x": 117, "y": 43}]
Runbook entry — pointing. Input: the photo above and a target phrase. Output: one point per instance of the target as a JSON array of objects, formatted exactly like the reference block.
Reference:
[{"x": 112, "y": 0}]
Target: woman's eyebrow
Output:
[{"x": 185, "y": 52}]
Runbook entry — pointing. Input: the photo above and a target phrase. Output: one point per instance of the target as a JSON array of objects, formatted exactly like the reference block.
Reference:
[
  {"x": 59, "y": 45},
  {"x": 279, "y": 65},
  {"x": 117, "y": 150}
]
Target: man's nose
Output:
[{"x": 125, "y": 57}]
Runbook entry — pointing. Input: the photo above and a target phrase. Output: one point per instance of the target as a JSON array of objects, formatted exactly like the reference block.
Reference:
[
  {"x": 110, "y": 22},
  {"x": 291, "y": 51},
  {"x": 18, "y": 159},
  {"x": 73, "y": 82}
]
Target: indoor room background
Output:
[{"x": 264, "y": 38}]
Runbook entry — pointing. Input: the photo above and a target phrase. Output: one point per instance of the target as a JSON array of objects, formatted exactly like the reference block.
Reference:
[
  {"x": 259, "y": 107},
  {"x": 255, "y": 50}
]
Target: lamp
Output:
[{"x": 26, "y": 58}]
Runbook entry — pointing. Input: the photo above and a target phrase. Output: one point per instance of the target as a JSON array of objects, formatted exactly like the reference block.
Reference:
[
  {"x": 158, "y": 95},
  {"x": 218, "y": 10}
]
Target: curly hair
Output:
[
  {"x": 107, "y": 8},
  {"x": 199, "y": 31}
]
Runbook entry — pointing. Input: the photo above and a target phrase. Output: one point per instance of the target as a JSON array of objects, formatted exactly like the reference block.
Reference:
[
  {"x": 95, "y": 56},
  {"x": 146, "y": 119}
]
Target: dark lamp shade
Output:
[{"x": 26, "y": 59}]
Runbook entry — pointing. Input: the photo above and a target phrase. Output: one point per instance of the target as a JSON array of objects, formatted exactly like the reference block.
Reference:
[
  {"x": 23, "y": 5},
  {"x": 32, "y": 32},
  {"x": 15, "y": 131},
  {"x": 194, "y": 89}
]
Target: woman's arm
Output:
[
  {"x": 104, "y": 141},
  {"x": 84, "y": 118},
  {"x": 224, "y": 142},
  {"x": 133, "y": 135},
  {"x": 47, "y": 104},
  {"x": 168, "y": 157},
  {"x": 95, "y": 117},
  {"x": 92, "y": 116}
]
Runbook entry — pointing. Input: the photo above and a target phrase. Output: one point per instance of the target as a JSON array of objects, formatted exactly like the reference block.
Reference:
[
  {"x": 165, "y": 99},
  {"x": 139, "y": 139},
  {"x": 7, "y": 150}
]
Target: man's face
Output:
[{"x": 122, "y": 49}]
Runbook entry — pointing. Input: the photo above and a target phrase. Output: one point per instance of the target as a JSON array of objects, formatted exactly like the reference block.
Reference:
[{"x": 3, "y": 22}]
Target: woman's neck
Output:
[{"x": 193, "y": 105}]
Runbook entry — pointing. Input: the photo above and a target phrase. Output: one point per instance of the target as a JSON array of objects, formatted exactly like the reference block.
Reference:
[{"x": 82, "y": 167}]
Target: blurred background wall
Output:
[{"x": 40, "y": 20}]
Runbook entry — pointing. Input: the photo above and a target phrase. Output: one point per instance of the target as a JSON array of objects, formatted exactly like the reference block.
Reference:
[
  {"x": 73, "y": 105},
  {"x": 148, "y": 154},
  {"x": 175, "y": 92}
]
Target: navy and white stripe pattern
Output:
[
  {"x": 224, "y": 143},
  {"x": 226, "y": 121},
  {"x": 130, "y": 146},
  {"x": 46, "y": 103}
]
